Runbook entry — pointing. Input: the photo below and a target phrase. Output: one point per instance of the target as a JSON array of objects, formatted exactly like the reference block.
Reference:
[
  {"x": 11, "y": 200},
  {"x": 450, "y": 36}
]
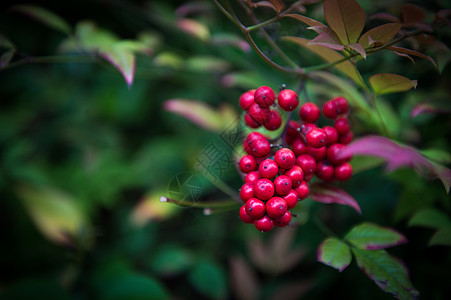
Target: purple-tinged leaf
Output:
[
  {"x": 388, "y": 272},
  {"x": 386, "y": 83},
  {"x": 441, "y": 237},
  {"x": 412, "y": 14},
  {"x": 326, "y": 193},
  {"x": 243, "y": 279},
  {"x": 190, "y": 8},
  {"x": 381, "y": 34},
  {"x": 230, "y": 40},
  {"x": 122, "y": 59},
  {"x": 44, "y": 16},
  {"x": 385, "y": 17},
  {"x": 412, "y": 52},
  {"x": 6, "y": 57},
  {"x": 397, "y": 156},
  {"x": 346, "y": 18},
  {"x": 278, "y": 5},
  {"x": 405, "y": 55},
  {"x": 426, "y": 108},
  {"x": 334, "y": 253},
  {"x": 370, "y": 236},
  {"x": 326, "y": 39},
  {"x": 358, "y": 48},
  {"x": 430, "y": 217},
  {"x": 194, "y": 28},
  {"x": 305, "y": 20}
]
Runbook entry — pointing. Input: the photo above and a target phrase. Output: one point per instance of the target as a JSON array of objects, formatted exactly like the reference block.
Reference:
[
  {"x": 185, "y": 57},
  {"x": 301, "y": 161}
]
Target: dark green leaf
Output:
[
  {"x": 171, "y": 260},
  {"x": 430, "y": 217},
  {"x": 334, "y": 253},
  {"x": 209, "y": 279},
  {"x": 374, "y": 237},
  {"x": 441, "y": 237}
]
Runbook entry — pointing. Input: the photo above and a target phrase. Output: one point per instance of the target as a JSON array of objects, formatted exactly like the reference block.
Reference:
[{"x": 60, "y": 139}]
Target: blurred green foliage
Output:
[{"x": 94, "y": 156}]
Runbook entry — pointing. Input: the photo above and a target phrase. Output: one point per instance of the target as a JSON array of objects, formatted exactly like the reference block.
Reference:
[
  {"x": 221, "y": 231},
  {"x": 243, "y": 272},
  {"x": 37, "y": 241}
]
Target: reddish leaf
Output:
[
  {"x": 305, "y": 20},
  {"x": 405, "y": 55},
  {"x": 243, "y": 279},
  {"x": 326, "y": 193},
  {"x": 426, "y": 108},
  {"x": 383, "y": 34},
  {"x": 278, "y": 5},
  {"x": 194, "y": 28},
  {"x": 397, "y": 156},
  {"x": 386, "y": 83},
  {"x": 358, "y": 48},
  {"x": 385, "y": 17},
  {"x": 412, "y": 52},
  {"x": 346, "y": 18},
  {"x": 412, "y": 14},
  {"x": 327, "y": 40}
]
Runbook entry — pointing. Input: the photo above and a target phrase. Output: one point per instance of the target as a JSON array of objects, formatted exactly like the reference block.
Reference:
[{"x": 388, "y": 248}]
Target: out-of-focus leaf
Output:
[
  {"x": 209, "y": 279},
  {"x": 6, "y": 43},
  {"x": 334, "y": 253},
  {"x": 150, "y": 208},
  {"x": 168, "y": 59},
  {"x": 304, "y": 19},
  {"x": 293, "y": 290},
  {"x": 6, "y": 57},
  {"x": 412, "y": 52},
  {"x": 346, "y": 18},
  {"x": 245, "y": 80},
  {"x": 412, "y": 13},
  {"x": 171, "y": 260},
  {"x": 397, "y": 156},
  {"x": 243, "y": 279},
  {"x": 383, "y": 34},
  {"x": 278, "y": 5},
  {"x": 230, "y": 40},
  {"x": 194, "y": 28},
  {"x": 386, "y": 83},
  {"x": 358, "y": 48},
  {"x": 404, "y": 55},
  {"x": 363, "y": 163},
  {"x": 326, "y": 193},
  {"x": 427, "y": 108},
  {"x": 388, "y": 272},
  {"x": 370, "y": 236},
  {"x": 44, "y": 16},
  {"x": 207, "y": 64},
  {"x": 346, "y": 67},
  {"x": 437, "y": 155},
  {"x": 389, "y": 117},
  {"x": 385, "y": 17},
  {"x": 430, "y": 217},
  {"x": 199, "y": 113},
  {"x": 441, "y": 237},
  {"x": 121, "y": 58},
  {"x": 54, "y": 213},
  {"x": 28, "y": 288}
]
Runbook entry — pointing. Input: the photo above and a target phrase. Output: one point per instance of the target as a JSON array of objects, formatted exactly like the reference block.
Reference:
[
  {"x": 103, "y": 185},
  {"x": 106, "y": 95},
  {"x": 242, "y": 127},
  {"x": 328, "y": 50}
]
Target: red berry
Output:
[
  {"x": 342, "y": 125},
  {"x": 259, "y": 114},
  {"x": 288, "y": 100},
  {"x": 332, "y": 135},
  {"x": 244, "y": 216},
  {"x": 318, "y": 154},
  {"x": 264, "y": 224},
  {"x": 247, "y": 99},
  {"x": 316, "y": 138},
  {"x": 346, "y": 138},
  {"x": 250, "y": 140},
  {"x": 302, "y": 190},
  {"x": 292, "y": 132},
  {"x": 282, "y": 185},
  {"x": 343, "y": 172},
  {"x": 248, "y": 164},
  {"x": 309, "y": 112},
  {"x": 296, "y": 175},
  {"x": 255, "y": 208},
  {"x": 264, "y": 96},
  {"x": 307, "y": 163},
  {"x": 283, "y": 220},
  {"x": 252, "y": 177},
  {"x": 307, "y": 127},
  {"x": 285, "y": 158},
  {"x": 291, "y": 199},
  {"x": 330, "y": 109},
  {"x": 247, "y": 192},
  {"x": 268, "y": 169},
  {"x": 308, "y": 177},
  {"x": 325, "y": 171},
  {"x": 263, "y": 189},
  {"x": 299, "y": 147},
  {"x": 332, "y": 154},
  {"x": 342, "y": 105},
  {"x": 260, "y": 148},
  {"x": 250, "y": 122},
  {"x": 274, "y": 122},
  {"x": 276, "y": 207}
]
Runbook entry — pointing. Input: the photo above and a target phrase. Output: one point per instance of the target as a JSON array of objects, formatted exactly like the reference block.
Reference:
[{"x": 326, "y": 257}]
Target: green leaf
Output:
[
  {"x": 209, "y": 279},
  {"x": 430, "y": 217},
  {"x": 6, "y": 57},
  {"x": 437, "y": 155},
  {"x": 389, "y": 117},
  {"x": 381, "y": 34},
  {"x": 370, "y": 236},
  {"x": 122, "y": 59},
  {"x": 363, "y": 163},
  {"x": 44, "y": 16},
  {"x": 387, "y": 272},
  {"x": 171, "y": 260},
  {"x": 441, "y": 237},
  {"x": 304, "y": 19},
  {"x": 346, "y": 18},
  {"x": 386, "y": 83},
  {"x": 334, "y": 253},
  {"x": 346, "y": 67}
]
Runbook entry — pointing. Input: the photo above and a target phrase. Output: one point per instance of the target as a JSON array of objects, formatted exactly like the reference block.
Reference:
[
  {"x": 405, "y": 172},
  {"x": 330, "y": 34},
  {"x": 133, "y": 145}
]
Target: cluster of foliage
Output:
[{"x": 87, "y": 160}]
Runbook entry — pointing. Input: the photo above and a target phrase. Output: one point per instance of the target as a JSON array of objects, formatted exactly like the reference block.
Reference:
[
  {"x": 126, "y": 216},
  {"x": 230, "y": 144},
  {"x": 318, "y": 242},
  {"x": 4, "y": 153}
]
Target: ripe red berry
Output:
[
  {"x": 307, "y": 163},
  {"x": 333, "y": 152},
  {"x": 307, "y": 127},
  {"x": 299, "y": 147},
  {"x": 283, "y": 220},
  {"x": 332, "y": 135},
  {"x": 255, "y": 208},
  {"x": 343, "y": 172},
  {"x": 342, "y": 105},
  {"x": 252, "y": 177},
  {"x": 329, "y": 109},
  {"x": 260, "y": 148},
  {"x": 318, "y": 154},
  {"x": 259, "y": 114},
  {"x": 325, "y": 171},
  {"x": 296, "y": 175},
  {"x": 244, "y": 216},
  {"x": 263, "y": 189},
  {"x": 302, "y": 190},
  {"x": 250, "y": 122},
  {"x": 247, "y": 99},
  {"x": 274, "y": 122},
  {"x": 342, "y": 125},
  {"x": 248, "y": 164},
  {"x": 288, "y": 100},
  {"x": 276, "y": 207},
  {"x": 282, "y": 185},
  {"x": 264, "y": 96},
  {"x": 309, "y": 112},
  {"x": 264, "y": 224},
  {"x": 268, "y": 169},
  {"x": 250, "y": 140},
  {"x": 291, "y": 199},
  {"x": 316, "y": 138},
  {"x": 285, "y": 158},
  {"x": 247, "y": 192},
  {"x": 346, "y": 138}
]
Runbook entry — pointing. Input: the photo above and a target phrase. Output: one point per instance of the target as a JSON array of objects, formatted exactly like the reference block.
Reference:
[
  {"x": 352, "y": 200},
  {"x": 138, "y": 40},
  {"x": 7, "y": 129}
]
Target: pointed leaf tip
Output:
[{"x": 326, "y": 193}]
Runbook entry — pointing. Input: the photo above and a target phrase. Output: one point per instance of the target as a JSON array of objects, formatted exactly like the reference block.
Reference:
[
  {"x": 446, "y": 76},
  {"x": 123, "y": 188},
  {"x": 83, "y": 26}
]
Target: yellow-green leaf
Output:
[
  {"x": 386, "y": 83},
  {"x": 346, "y": 18},
  {"x": 382, "y": 34}
]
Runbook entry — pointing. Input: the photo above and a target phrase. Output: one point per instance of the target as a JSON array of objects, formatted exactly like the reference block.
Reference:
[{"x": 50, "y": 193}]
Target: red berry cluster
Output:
[{"x": 276, "y": 180}]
